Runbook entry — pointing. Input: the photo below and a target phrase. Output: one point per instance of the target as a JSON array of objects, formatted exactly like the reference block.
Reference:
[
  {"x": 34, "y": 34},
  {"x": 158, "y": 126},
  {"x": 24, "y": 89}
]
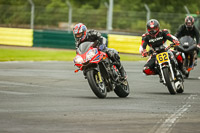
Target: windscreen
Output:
[
  {"x": 187, "y": 40},
  {"x": 83, "y": 47}
]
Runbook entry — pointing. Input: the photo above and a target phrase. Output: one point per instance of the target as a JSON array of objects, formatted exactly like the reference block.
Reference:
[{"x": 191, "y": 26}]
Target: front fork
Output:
[
  {"x": 171, "y": 70},
  {"x": 98, "y": 77}
]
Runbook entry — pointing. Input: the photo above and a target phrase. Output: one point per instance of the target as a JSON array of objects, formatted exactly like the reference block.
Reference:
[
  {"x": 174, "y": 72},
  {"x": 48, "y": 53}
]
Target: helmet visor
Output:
[
  {"x": 189, "y": 24},
  {"x": 79, "y": 35},
  {"x": 153, "y": 30}
]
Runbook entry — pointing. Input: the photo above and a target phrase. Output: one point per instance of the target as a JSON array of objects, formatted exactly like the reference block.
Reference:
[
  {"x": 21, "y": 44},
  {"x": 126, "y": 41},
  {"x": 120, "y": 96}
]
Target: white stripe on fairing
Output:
[{"x": 167, "y": 124}]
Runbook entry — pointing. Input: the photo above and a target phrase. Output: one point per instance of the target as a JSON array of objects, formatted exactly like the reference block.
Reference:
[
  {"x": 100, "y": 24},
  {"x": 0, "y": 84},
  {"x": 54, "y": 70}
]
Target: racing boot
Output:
[
  {"x": 160, "y": 77},
  {"x": 190, "y": 68},
  {"x": 183, "y": 70},
  {"x": 196, "y": 55},
  {"x": 121, "y": 70},
  {"x": 195, "y": 61},
  {"x": 113, "y": 55},
  {"x": 178, "y": 75}
]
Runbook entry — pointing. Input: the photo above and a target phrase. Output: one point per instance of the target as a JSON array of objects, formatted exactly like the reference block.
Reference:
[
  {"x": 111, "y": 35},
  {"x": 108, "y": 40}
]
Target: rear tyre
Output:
[
  {"x": 180, "y": 87},
  {"x": 168, "y": 80},
  {"x": 180, "y": 90},
  {"x": 97, "y": 86},
  {"x": 187, "y": 75},
  {"x": 122, "y": 90}
]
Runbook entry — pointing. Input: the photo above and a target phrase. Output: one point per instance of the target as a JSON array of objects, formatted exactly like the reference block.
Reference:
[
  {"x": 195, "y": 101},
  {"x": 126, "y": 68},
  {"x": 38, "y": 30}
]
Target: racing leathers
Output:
[
  {"x": 101, "y": 44},
  {"x": 184, "y": 31},
  {"x": 156, "y": 41},
  {"x": 193, "y": 32}
]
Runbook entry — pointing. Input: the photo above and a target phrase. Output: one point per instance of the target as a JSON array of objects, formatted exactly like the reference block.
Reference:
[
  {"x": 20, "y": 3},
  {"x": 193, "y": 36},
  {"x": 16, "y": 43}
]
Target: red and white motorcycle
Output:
[{"x": 100, "y": 72}]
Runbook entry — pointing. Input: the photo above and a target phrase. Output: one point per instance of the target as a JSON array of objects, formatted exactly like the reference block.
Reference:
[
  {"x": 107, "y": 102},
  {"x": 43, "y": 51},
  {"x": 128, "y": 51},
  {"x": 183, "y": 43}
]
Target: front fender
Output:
[
  {"x": 164, "y": 65},
  {"x": 103, "y": 70},
  {"x": 90, "y": 67}
]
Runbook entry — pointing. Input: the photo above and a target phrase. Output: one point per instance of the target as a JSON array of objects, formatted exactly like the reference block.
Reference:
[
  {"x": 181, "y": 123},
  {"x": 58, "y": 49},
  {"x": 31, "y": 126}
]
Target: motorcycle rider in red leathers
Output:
[
  {"x": 155, "y": 38},
  {"x": 81, "y": 34}
]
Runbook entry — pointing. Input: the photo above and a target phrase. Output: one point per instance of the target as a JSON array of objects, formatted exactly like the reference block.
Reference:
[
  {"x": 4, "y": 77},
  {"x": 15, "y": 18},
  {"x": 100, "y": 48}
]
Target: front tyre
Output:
[
  {"x": 168, "y": 80},
  {"x": 96, "y": 83}
]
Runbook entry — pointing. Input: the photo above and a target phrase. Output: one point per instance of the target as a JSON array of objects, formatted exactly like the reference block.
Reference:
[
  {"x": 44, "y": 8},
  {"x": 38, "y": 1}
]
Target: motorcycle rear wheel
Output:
[
  {"x": 187, "y": 75},
  {"x": 181, "y": 88},
  {"x": 122, "y": 90},
  {"x": 98, "y": 88},
  {"x": 169, "y": 85}
]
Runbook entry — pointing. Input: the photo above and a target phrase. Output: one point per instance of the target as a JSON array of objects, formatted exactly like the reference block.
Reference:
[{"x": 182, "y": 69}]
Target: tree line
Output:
[{"x": 127, "y": 15}]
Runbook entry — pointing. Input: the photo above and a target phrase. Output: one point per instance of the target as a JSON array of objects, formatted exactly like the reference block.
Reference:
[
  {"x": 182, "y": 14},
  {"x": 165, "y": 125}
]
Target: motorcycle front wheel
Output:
[
  {"x": 96, "y": 83},
  {"x": 168, "y": 80}
]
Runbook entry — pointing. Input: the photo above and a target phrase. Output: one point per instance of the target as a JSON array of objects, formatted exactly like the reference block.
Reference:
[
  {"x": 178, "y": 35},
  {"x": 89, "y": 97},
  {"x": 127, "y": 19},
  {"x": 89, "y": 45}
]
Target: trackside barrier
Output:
[
  {"x": 63, "y": 39},
  {"x": 16, "y": 36},
  {"x": 54, "y": 39},
  {"x": 124, "y": 43}
]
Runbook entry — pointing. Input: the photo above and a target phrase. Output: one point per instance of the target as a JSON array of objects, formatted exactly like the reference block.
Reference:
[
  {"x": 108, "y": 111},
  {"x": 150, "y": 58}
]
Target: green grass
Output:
[{"x": 35, "y": 54}]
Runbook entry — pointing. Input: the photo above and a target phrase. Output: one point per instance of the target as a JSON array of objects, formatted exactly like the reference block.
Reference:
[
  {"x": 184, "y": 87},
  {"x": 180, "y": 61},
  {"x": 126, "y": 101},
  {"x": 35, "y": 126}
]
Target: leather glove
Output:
[
  {"x": 198, "y": 45},
  {"x": 101, "y": 47},
  {"x": 176, "y": 42},
  {"x": 144, "y": 53}
]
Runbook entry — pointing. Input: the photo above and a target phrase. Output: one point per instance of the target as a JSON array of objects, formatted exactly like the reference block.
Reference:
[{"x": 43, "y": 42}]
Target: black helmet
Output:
[
  {"x": 189, "y": 22},
  {"x": 153, "y": 26}
]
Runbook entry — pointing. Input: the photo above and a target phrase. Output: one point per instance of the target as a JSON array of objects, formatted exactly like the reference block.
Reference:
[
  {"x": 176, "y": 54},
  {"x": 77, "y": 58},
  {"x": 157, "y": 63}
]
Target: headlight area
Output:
[
  {"x": 91, "y": 54},
  {"x": 78, "y": 60}
]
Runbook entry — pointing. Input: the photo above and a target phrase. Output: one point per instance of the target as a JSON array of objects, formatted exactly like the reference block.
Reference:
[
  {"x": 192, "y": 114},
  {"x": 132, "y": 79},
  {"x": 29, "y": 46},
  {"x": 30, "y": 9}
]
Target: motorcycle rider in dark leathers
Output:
[
  {"x": 189, "y": 29},
  {"x": 155, "y": 38},
  {"x": 81, "y": 34}
]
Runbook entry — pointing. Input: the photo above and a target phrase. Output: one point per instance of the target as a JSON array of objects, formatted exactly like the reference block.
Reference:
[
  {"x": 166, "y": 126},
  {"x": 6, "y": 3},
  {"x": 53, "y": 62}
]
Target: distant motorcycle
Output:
[
  {"x": 188, "y": 47},
  {"x": 164, "y": 67},
  {"x": 100, "y": 72}
]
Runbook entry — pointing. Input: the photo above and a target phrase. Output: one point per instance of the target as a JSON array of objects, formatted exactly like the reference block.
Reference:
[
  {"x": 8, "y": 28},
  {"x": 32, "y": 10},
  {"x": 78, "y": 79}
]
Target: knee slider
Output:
[
  {"x": 179, "y": 58},
  {"x": 116, "y": 56},
  {"x": 113, "y": 55},
  {"x": 148, "y": 71}
]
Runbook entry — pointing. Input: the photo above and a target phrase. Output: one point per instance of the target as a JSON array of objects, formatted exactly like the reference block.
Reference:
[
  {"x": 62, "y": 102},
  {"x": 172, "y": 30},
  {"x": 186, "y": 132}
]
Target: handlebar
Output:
[
  {"x": 171, "y": 45},
  {"x": 151, "y": 52}
]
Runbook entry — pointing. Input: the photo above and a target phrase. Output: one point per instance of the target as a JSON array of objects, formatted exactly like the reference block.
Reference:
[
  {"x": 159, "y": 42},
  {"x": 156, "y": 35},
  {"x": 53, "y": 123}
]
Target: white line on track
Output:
[
  {"x": 15, "y": 93},
  {"x": 165, "y": 126},
  {"x": 19, "y": 84}
]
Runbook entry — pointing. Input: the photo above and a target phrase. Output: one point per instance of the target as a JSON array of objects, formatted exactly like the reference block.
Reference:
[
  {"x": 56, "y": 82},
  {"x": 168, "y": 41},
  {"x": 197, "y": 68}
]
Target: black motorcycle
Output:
[
  {"x": 165, "y": 67},
  {"x": 188, "y": 47}
]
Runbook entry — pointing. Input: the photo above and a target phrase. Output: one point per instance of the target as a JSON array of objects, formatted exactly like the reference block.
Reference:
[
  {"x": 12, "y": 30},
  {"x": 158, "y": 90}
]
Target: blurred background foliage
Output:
[{"x": 129, "y": 16}]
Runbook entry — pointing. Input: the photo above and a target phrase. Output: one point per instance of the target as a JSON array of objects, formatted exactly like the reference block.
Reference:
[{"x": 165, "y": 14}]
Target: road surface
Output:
[{"x": 48, "y": 97}]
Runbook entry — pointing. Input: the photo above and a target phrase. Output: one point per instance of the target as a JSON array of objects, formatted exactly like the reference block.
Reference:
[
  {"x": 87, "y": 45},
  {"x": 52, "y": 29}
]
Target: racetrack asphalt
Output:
[{"x": 48, "y": 97}]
